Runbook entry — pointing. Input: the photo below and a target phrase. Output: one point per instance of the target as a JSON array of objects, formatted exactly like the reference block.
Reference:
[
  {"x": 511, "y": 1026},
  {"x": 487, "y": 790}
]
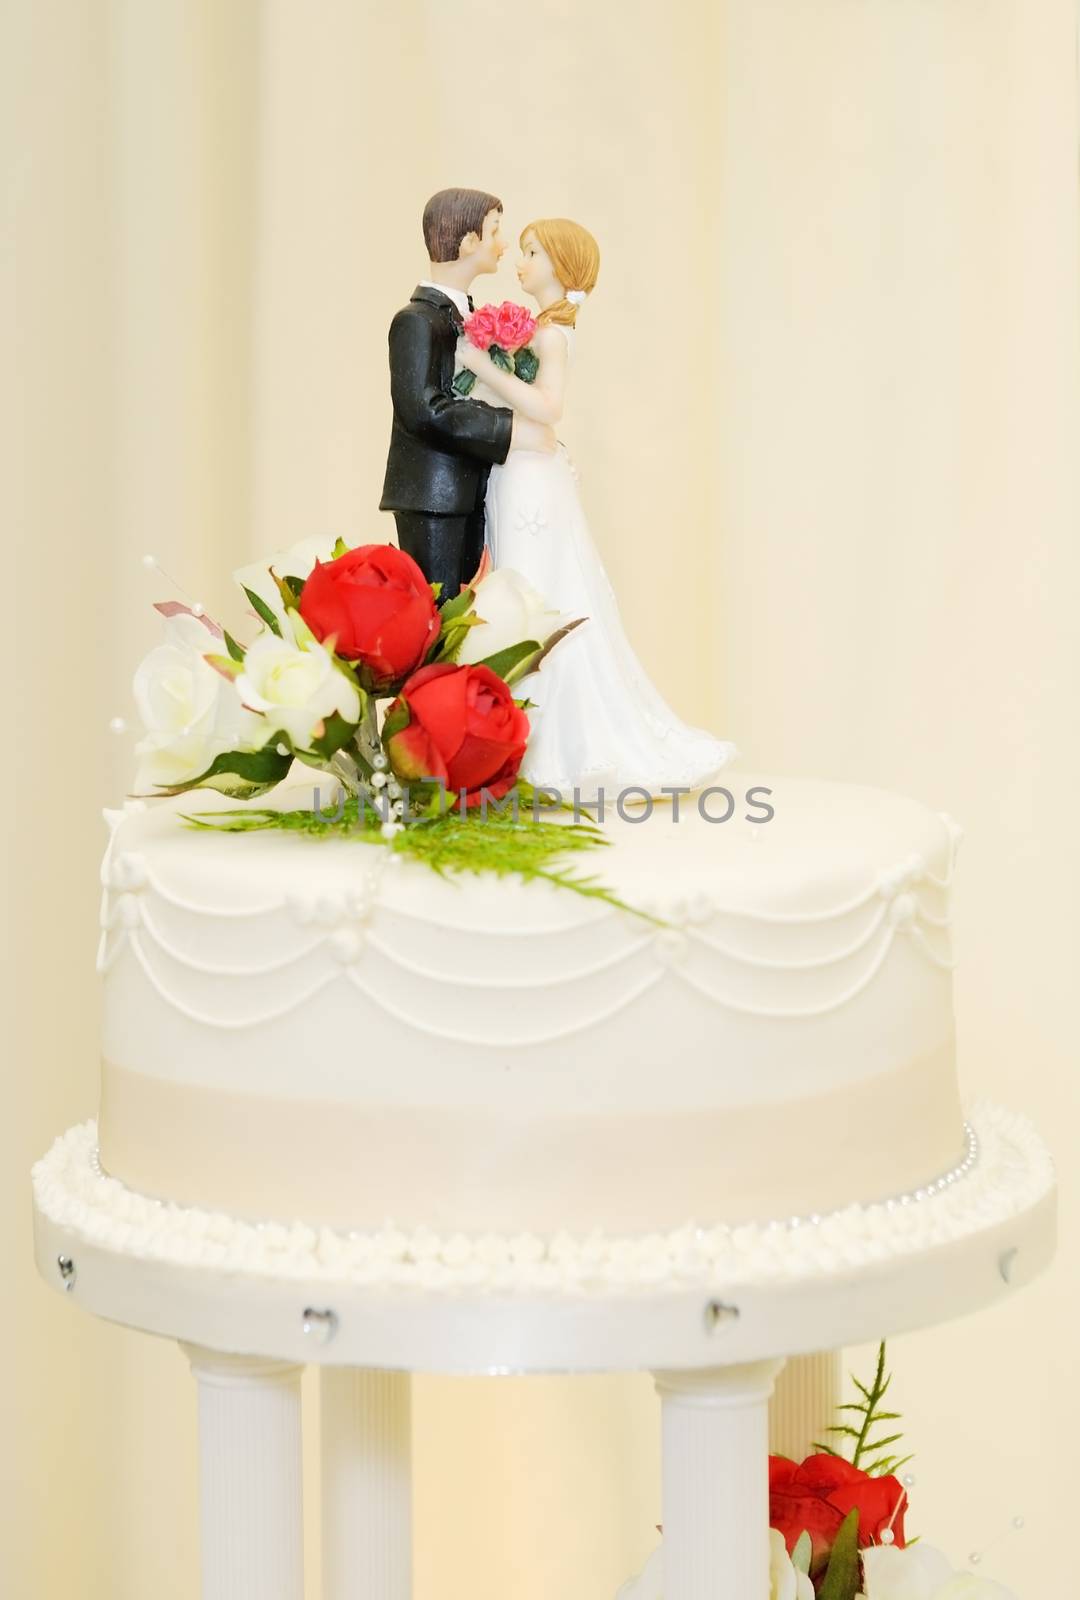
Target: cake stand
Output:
[{"x": 711, "y": 1313}]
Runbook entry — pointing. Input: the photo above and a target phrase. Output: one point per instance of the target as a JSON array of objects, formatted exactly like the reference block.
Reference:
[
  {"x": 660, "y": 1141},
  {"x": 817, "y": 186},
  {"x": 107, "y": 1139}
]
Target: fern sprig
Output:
[
  {"x": 869, "y": 1408},
  {"x": 452, "y": 842}
]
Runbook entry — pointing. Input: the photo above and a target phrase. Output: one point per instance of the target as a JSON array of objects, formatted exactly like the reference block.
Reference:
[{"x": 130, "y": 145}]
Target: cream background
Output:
[{"x": 836, "y": 338}]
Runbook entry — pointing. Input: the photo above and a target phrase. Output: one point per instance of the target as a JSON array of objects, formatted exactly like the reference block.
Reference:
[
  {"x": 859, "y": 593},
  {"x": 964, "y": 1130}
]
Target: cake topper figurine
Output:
[
  {"x": 599, "y": 725},
  {"x": 441, "y": 446}
]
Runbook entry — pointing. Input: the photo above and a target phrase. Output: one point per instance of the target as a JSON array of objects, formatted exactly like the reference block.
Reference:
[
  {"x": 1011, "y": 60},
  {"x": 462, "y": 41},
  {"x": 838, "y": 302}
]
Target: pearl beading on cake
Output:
[{"x": 1005, "y": 1169}]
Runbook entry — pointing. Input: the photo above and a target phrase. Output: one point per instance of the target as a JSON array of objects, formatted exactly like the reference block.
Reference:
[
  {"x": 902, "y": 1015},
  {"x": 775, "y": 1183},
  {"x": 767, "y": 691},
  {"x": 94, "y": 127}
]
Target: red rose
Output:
[
  {"x": 379, "y": 606},
  {"x": 817, "y": 1496},
  {"x": 514, "y": 326},
  {"x": 463, "y": 728},
  {"x": 480, "y": 327}
]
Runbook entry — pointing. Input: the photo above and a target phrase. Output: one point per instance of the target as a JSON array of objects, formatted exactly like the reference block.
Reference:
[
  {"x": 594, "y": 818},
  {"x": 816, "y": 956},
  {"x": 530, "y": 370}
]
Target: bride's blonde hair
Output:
[{"x": 575, "y": 256}]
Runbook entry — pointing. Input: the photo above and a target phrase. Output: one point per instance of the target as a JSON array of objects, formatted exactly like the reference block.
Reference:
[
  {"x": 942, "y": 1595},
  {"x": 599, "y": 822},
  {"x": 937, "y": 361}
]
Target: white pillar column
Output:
[
  {"x": 366, "y": 1445},
  {"x": 715, "y": 1481},
  {"x": 251, "y": 1492},
  {"x": 804, "y": 1403}
]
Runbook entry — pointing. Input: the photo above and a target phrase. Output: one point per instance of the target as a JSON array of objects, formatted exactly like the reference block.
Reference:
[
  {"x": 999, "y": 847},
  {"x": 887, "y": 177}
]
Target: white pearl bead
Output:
[
  {"x": 887, "y": 1536},
  {"x": 197, "y": 609},
  {"x": 148, "y": 561},
  {"x": 117, "y": 725}
]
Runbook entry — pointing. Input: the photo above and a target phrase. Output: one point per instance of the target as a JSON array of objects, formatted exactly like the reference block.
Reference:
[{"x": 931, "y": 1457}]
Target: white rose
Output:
[
  {"x": 298, "y": 561},
  {"x": 512, "y": 611},
  {"x": 920, "y": 1572},
  {"x": 189, "y": 711},
  {"x": 295, "y": 683},
  {"x": 785, "y": 1582}
]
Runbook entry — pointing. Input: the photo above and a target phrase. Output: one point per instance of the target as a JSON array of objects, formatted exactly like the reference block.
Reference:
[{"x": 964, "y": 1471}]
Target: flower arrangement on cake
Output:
[
  {"x": 360, "y": 672},
  {"x": 836, "y": 1523}
]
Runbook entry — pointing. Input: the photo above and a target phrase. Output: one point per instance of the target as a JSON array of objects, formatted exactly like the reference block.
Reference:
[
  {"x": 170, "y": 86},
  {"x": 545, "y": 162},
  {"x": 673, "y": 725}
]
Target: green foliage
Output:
[
  {"x": 290, "y": 590},
  {"x": 228, "y": 666},
  {"x": 503, "y": 662},
  {"x": 337, "y": 731},
  {"x": 396, "y": 718},
  {"x": 499, "y": 356},
  {"x": 232, "y": 647},
  {"x": 841, "y": 1581},
  {"x": 452, "y": 842},
  {"x": 452, "y": 610},
  {"x": 527, "y": 364},
  {"x": 464, "y": 382},
  {"x": 868, "y": 1408},
  {"x": 262, "y": 610},
  {"x": 242, "y": 774},
  {"x": 340, "y": 548},
  {"x": 802, "y": 1553},
  {"x": 456, "y": 617}
]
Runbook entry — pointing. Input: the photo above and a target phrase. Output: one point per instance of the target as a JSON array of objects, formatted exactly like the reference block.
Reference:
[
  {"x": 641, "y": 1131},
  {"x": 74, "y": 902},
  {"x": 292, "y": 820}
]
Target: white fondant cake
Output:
[{"x": 318, "y": 1028}]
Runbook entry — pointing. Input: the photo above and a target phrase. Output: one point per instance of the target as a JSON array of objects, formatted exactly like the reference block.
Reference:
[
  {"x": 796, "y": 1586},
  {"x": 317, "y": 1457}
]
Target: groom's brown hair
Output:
[{"x": 452, "y": 214}]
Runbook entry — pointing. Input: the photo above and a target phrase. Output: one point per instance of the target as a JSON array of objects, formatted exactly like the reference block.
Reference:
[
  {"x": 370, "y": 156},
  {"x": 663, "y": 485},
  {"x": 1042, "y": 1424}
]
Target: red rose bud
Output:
[
  {"x": 463, "y": 728},
  {"x": 378, "y": 605},
  {"x": 817, "y": 1496}
]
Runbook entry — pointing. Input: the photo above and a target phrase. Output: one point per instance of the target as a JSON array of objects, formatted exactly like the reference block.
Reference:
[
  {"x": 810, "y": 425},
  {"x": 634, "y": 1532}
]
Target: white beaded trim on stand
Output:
[{"x": 1005, "y": 1170}]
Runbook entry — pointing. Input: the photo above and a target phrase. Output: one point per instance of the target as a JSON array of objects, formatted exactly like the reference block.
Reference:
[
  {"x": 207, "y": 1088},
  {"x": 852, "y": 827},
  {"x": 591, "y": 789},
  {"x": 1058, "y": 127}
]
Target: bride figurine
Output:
[{"x": 599, "y": 726}]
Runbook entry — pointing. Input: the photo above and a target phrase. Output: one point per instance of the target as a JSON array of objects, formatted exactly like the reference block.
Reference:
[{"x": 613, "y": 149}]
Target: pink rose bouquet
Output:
[{"x": 504, "y": 332}]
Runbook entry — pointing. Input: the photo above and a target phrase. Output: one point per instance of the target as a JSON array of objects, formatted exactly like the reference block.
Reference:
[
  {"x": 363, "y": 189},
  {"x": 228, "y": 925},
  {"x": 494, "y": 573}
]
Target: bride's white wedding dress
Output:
[{"x": 598, "y": 722}]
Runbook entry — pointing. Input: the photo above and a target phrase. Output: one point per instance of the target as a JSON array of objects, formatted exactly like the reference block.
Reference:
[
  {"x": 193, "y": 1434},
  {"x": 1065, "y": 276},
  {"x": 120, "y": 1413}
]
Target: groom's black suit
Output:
[{"x": 441, "y": 447}]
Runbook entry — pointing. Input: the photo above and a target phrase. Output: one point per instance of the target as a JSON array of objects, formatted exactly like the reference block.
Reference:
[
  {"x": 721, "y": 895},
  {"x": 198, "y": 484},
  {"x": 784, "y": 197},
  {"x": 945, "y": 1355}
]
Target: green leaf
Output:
[
  {"x": 239, "y": 773},
  {"x": 800, "y": 1555},
  {"x": 464, "y": 382},
  {"x": 888, "y": 1466},
  {"x": 504, "y": 362},
  {"x": 337, "y": 731},
  {"x": 527, "y": 364},
  {"x": 548, "y": 646},
  {"x": 261, "y": 609},
  {"x": 228, "y": 666},
  {"x": 232, "y": 647},
  {"x": 396, "y": 718},
  {"x": 842, "y": 1574},
  {"x": 457, "y": 606},
  {"x": 289, "y": 589},
  {"x": 340, "y": 549},
  {"x": 504, "y": 661},
  {"x": 879, "y": 1444}
]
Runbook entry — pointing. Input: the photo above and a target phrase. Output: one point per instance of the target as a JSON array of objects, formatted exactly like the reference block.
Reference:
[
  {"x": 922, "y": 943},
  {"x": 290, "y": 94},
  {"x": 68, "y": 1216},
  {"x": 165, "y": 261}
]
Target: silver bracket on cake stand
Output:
[{"x": 714, "y": 1349}]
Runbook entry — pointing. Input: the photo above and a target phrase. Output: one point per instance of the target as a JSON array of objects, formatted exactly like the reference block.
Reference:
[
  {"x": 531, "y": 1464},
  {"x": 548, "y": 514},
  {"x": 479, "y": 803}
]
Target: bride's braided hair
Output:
[{"x": 575, "y": 256}]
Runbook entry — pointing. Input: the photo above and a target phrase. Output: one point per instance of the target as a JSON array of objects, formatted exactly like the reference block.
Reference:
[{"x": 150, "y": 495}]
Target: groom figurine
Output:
[{"x": 442, "y": 447}]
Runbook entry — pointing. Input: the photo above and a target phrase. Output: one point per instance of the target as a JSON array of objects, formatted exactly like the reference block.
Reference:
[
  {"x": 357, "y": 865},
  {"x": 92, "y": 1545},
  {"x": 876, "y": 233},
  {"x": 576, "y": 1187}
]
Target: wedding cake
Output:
[{"x": 322, "y": 1028}]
